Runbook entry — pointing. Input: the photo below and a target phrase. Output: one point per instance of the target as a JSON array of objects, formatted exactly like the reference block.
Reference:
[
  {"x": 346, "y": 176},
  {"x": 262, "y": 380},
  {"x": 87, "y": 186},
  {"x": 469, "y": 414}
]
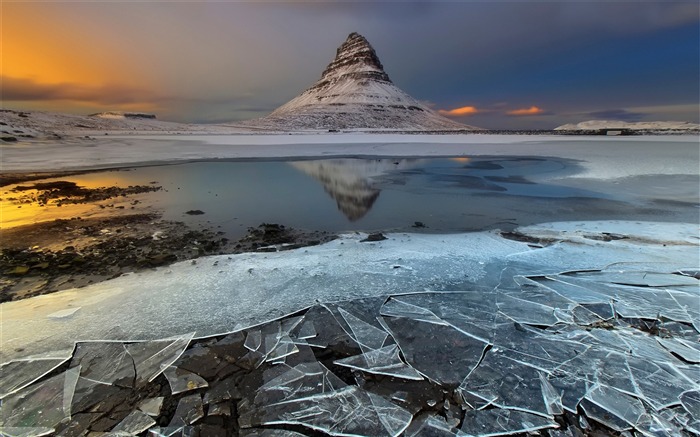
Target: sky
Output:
[{"x": 493, "y": 64}]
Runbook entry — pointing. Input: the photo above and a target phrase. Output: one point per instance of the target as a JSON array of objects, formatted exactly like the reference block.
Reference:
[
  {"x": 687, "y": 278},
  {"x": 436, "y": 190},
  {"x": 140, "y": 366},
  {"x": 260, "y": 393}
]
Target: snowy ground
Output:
[{"x": 603, "y": 157}]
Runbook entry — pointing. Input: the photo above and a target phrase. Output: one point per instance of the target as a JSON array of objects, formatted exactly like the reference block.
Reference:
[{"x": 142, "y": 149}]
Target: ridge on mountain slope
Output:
[{"x": 354, "y": 92}]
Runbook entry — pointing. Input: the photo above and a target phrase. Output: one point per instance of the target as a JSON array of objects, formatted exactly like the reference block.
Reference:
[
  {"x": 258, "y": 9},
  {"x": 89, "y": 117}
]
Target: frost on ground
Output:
[{"x": 579, "y": 327}]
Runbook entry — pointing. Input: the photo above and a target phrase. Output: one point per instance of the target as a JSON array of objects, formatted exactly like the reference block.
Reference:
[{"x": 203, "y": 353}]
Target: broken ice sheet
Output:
[
  {"x": 691, "y": 402},
  {"x": 384, "y": 361},
  {"x": 396, "y": 307},
  {"x": 505, "y": 383},
  {"x": 181, "y": 380},
  {"x": 496, "y": 421},
  {"x": 189, "y": 410},
  {"x": 575, "y": 293},
  {"x": 25, "y": 431},
  {"x": 429, "y": 426},
  {"x": 153, "y": 357},
  {"x": 612, "y": 402},
  {"x": 151, "y": 406},
  {"x": 136, "y": 422},
  {"x": 660, "y": 384},
  {"x": 15, "y": 375},
  {"x": 104, "y": 362},
  {"x": 347, "y": 411},
  {"x": 525, "y": 311},
  {"x": 366, "y": 335},
  {"x": 303, "y": 380},
  {"x": 172, "y": 431},
  {"x": 269, "y": 432},
  {"x": 41, "y": 405},
  {"x": 442, "y": 353}
]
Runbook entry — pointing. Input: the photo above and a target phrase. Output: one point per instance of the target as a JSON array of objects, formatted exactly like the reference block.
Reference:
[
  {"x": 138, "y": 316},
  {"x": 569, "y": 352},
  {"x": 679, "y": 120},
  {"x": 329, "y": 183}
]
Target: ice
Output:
[
  {"x": 135, "y": 423},
  {"x": 153, "y": 357},
  {"x": 384, "y": 361},
  {"x": 493, "y": 422},
  {"x": 15, "y": 375},
  {"x": 347, "y": 411},
  {"x": 172, "y": 431},
  {"x": 502, "y": 382},
  {"x": 303, "y": 380},
  {"x": 269, "y": 432},
  {"x": 367, "y": 336},
  {"x": 691, "y": 402},
  {"x": 521, "y": 344},
  {"x": 446, "y": 362},
  {"x": 307, "y": 331},
  {"x": 25, "y": 431},
  {"x": 151, "y": 406},
  {"x": 44, "y": 404},
  {"x": 105, "y": 363},
  {"x": 185, "y": 297},
  {"x": 181, "y": 380},
  {"x": 623, "y": 407},
  {"x": 432, "y": 426},
  {"x": 189, "y": 410},
  {"x": 62, "y": 314}
]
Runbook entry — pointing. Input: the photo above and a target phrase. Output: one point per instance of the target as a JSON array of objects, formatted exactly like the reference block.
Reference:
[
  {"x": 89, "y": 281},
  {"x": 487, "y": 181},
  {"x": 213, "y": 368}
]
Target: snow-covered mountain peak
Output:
[
  {"x": 354, "y": 92},
  {"x": 354, "y": 57}
]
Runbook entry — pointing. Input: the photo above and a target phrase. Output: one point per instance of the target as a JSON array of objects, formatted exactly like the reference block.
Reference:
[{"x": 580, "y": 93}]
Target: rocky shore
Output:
[{"x": 74, "y": 251}]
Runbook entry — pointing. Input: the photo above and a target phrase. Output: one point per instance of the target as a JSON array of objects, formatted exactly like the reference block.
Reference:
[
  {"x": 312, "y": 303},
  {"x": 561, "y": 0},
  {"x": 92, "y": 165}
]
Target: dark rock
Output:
[
  {"x": 378, "y": 236},
  {"x": 194, "y": 212},
  {"x": 418, "y": 225}
]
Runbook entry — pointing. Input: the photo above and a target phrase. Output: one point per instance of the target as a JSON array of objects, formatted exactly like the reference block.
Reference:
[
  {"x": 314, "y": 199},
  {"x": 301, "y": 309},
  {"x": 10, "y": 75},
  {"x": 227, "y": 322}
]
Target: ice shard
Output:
[
  {"x": 181, "y": 380},
  {"x": 15, "y": 375},
  {"x": 345, "y": 412},
  {"x": 384, "y": 361},
  {"x": 496, "y": 421},
  {"x": 151, "y": 358}
]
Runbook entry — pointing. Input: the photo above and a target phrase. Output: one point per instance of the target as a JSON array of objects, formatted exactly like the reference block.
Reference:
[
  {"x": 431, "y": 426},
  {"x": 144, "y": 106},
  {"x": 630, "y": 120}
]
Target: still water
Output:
[{"x": 444, "y": 195}]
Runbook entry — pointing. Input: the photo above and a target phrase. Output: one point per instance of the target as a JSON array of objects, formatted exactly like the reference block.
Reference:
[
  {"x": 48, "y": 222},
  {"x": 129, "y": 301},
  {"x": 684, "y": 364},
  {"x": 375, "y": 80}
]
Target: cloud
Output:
[
  {"x": 459, "y": 112},
  {"x": 532, "y": 110},
  {"x": 24, "y": 90}
]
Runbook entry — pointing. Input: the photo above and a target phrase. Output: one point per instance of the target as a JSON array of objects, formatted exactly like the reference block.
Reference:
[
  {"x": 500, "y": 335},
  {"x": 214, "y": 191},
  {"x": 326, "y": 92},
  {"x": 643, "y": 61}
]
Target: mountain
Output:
[
  {"x": 354, "y": 92},
  {"x": 641, "y": 126}
]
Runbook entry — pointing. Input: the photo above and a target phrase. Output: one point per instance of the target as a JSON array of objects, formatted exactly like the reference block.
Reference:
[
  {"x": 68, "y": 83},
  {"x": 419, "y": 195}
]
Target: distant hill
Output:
[
  {"x": 355, "y": 93},
  {"x": 594, "y": 125}
]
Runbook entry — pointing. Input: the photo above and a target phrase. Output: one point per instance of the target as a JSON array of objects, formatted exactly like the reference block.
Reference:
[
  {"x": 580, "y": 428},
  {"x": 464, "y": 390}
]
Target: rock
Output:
[
  {"x": 194, "y": 212},
  {"x": 378, "y": 236}
]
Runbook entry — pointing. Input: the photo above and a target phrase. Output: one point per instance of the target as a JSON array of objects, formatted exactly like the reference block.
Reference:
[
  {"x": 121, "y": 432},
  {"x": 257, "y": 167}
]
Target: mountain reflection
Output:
[{"x": 349, "y": 181}]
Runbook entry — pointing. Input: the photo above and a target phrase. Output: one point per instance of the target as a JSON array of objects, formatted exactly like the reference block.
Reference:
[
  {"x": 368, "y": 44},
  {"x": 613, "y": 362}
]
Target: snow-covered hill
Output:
[
  {"x": 642, "y": 125},
  {"x": 355, "y": 93},
  {"x": 37, "y": 125}
]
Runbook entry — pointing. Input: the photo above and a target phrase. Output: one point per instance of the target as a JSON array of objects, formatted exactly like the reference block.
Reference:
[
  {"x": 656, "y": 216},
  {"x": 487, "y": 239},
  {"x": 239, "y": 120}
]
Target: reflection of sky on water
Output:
[{"x": 388, "y": 194}]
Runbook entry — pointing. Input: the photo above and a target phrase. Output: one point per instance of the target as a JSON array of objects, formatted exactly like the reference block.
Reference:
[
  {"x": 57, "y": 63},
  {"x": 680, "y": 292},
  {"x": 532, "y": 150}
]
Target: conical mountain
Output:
[{"x": 355, "y": 92}]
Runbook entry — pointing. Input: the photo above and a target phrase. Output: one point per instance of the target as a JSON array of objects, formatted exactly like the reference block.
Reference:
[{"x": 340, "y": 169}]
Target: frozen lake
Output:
[
  {"x": 592, "y": 318},
  {"x": 391, "y": 194}
]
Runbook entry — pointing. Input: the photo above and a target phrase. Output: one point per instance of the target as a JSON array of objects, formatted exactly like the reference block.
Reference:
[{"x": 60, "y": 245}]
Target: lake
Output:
[{"x": 431, "y": 194}]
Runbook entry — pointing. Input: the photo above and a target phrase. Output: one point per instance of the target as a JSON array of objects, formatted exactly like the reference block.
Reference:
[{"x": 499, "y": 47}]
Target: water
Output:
[{"x": 444, "y": 195}]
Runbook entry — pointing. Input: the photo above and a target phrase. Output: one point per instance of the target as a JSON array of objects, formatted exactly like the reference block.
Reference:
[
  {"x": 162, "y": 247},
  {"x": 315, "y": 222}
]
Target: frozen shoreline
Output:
[
  {"x": 224, "y": 293},
  {"x": 603, "y": 157}
]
